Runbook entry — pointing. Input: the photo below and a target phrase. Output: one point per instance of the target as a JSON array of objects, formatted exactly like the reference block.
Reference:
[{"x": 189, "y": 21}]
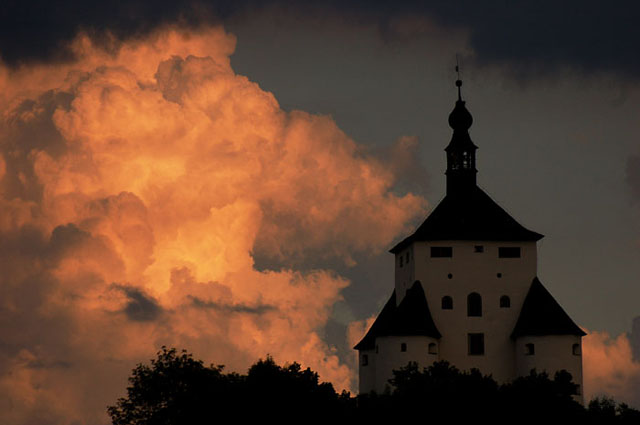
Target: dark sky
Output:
[{"x": 529, "y": 37}]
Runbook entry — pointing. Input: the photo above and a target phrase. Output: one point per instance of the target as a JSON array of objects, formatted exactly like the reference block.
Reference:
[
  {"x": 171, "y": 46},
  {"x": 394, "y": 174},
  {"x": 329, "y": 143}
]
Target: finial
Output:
[{"x": 458, "y": 81}]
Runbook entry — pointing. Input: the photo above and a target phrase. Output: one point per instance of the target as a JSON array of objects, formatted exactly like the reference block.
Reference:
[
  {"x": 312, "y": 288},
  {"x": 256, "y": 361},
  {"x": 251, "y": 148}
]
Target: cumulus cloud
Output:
[
  {"x": 136, "y": 187},
  {"x": 609, "y": 368}
]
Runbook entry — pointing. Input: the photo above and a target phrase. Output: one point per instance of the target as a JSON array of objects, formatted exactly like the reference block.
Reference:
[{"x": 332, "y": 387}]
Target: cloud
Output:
[
  {"x": 609, "y": 368},
  {"x": 634, "y": 338},
  {"x": 530, "y": 38},
  {"x": 136, "y": 187}
]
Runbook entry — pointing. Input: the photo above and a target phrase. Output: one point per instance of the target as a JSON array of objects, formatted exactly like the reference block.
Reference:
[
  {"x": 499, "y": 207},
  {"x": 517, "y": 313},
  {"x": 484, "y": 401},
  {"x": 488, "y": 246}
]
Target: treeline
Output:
[{"x": 176, "y": 389}]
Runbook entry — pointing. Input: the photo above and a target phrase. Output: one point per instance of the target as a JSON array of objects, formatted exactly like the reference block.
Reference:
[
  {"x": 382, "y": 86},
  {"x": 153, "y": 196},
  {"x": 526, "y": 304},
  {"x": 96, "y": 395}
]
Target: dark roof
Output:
[
  {"x": 542, "y": 315},
  {"x": 411, "y": 317},
  {"x": 472, "y": 215}
]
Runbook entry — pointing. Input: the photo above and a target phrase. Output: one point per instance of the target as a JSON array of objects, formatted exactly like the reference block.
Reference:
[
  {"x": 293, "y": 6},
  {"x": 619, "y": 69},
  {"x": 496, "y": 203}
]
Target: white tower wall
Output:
[{"x": 478, "y": 272}]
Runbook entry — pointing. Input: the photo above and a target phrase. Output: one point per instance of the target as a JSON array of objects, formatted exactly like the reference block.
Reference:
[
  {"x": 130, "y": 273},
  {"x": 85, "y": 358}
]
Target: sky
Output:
[{"x": 227, "y": 177}]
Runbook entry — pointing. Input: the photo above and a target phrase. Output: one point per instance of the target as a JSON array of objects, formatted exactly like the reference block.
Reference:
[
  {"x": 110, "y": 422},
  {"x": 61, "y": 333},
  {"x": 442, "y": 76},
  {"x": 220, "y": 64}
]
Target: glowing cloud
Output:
[
  {"x": 609, "y": 368},
  {"x": 135, "y": 190}
]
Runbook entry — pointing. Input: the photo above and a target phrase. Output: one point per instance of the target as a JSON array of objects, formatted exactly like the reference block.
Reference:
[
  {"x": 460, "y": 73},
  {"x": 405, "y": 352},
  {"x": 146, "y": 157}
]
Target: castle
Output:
[{"x": 467, "y": 291}]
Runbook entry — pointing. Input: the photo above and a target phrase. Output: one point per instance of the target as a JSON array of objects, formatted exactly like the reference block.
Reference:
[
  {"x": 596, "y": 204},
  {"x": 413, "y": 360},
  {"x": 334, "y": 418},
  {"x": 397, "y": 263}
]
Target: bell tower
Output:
[{"x": 461, "y": 152}]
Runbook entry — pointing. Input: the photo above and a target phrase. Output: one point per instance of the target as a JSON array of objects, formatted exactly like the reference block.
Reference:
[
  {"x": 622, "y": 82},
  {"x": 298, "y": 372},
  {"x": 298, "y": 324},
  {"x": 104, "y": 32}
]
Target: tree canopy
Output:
[{"x": 176, "y": 389}]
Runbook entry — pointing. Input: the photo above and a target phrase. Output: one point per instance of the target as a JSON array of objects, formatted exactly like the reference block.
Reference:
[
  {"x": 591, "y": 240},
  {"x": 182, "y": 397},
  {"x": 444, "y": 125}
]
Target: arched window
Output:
[
  {"x": 365, "y": 360},
  {"x": 576, "y": 349},
  {"x": 403, "y": 347},
  {"x": 474, "y": 305},
  {"x": 433, "y": 348},
  {"x": 505, "y": 302},
  {"x": 447, "y": 303},
  {"x": 529, "y": 349}
]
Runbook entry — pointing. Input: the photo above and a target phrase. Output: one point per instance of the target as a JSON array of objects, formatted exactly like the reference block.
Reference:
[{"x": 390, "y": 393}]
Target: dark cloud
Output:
[
  {"x": 530, "y": 37},
  {"x": 231, "y": 308},
  {"x": 140, "y": 306}
]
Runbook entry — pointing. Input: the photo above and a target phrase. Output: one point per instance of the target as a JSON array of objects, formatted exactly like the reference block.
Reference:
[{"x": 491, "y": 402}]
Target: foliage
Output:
[
  {"x": 176, "y": 389},
  {"x": 604, "y": 410}
]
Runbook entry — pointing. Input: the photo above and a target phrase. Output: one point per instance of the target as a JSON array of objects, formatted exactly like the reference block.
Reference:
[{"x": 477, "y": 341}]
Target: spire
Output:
[
  {"x": 461, "y": 152},
  {"x": 458, "y": 81}
]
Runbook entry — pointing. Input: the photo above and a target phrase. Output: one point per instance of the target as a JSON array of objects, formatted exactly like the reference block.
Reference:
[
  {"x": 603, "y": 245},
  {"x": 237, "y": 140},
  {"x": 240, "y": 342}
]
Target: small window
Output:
[
  {"x": 499, "y": 275},
  {"x": 365, "y": 360},
  {"x": 505, "y": 302},
  {"x": 376, "y": 349},
  {"x": 476, "y": 344},
  {"x": 408, "y": 256},
  {"x": 478, "y": 248},
  {"x": 403, "y": 347},
  {"x": 509, "y": 252},
  {"x": 576, "y": 350},
  {"x": 447, "y": 303},
  {"x": 441, "y": 251},
  {"x": 529, "y": 349},
  {"x": 474, "y": 305},
  {"x": 449, "y": 276},
  {"x": 401, "y": 258},
  {"x": 433, "y": 348}
]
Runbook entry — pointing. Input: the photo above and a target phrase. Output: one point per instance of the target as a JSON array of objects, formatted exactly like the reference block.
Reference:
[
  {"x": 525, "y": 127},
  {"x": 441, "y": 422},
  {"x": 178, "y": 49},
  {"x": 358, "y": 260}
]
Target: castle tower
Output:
[{"x": 466, "y": 289}]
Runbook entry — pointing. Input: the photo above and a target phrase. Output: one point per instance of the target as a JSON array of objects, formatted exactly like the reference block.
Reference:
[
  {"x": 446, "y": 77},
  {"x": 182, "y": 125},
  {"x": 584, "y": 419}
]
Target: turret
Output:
[{"x": 461, "y": 152}]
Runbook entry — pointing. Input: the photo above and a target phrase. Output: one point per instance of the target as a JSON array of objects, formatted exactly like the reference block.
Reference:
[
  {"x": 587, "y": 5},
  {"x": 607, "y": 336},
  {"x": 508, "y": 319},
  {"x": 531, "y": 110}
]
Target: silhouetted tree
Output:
[
  {"x": 175, "y": 389},
  {"x": 290, "y": 392},
  {"x": 440, "y": 390},
  {"x": 537, "y": 398},
  {"x": 605, "y": 410}
]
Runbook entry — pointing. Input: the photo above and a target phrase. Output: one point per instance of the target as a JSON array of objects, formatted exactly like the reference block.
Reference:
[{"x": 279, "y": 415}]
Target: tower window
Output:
[
  {"x": 365, "y": 360},
  {"x": 441, "y": 251},
  {"x": 401, "y": 258},
  {"x": 447, "y": 303},
  {"x": 529, "y": 349},
  {"x": 576, "y": 349},
  {"x": 505, "y": 302},
  {"x": 408, "y": 256},
  {"x": 476, "y": 344},
  {"x": 509, "y": 252},
  {"x": 450, "y": 276},
  {"x": 403, "y": 347},
  {"x": 478, "y": 248},
  {"x": 376, "y": 349},
  {"x": 433, "y": 348},
  {"x": 474, "y": 305}
]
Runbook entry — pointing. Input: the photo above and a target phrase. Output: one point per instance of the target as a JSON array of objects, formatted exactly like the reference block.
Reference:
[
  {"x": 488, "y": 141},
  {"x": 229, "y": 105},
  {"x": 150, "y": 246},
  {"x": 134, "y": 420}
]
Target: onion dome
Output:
[{"x": 460, "y": 118}]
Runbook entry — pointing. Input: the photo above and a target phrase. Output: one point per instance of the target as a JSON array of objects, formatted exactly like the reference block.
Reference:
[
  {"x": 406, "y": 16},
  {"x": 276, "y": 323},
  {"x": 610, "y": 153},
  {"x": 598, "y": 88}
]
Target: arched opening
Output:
[
  {"x": 433, "y": 348},
  {"x": 474, "y": 305},
  {"x": 403, "y": 347},
  {"x": 505, "y": 302},
  {"x": 447, "y": 303}
]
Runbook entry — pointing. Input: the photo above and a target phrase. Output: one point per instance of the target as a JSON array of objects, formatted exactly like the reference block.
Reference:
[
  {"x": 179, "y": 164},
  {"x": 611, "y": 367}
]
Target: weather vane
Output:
[{"x": 458, "y": 81}]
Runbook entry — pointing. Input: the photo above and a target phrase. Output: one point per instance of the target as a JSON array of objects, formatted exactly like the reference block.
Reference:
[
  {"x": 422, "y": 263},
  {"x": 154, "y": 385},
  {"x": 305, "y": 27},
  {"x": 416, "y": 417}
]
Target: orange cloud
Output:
[
  {"x": 609, "y": 368},
  {"x": 136, "y": 190}
]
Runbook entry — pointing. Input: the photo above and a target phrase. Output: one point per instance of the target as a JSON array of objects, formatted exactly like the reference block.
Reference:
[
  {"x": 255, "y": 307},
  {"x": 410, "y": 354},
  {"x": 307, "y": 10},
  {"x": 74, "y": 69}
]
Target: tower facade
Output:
[{"x": 466, "y": 289}]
